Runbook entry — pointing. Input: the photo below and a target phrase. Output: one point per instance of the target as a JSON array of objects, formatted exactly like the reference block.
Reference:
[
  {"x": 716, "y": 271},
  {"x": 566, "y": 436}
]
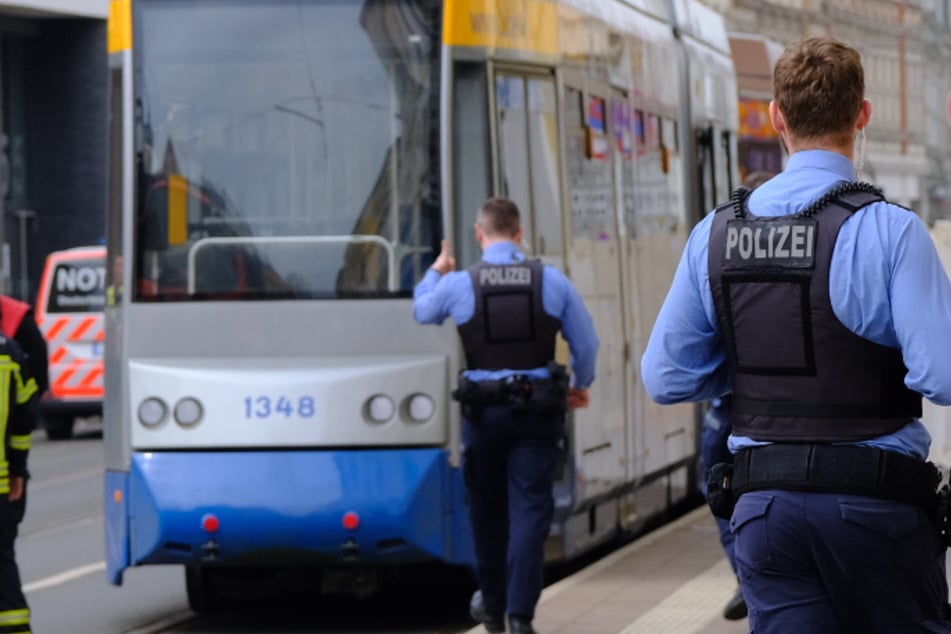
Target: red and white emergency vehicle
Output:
[{"x": 69, "y": 312}]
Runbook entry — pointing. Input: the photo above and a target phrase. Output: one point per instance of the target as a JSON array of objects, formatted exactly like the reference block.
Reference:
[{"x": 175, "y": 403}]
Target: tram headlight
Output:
[
  {"x": 419, "y": 408},
  {"x": 379, "y": 408},
  {"x": 188, "y": 412},
  {"x": 152, "y": 412}
]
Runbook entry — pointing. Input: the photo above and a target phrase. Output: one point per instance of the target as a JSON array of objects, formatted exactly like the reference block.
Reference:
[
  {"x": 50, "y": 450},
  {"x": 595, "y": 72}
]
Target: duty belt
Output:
[
  {"x": 848, "y": 469},
  {"x": 520, "y": 392}
]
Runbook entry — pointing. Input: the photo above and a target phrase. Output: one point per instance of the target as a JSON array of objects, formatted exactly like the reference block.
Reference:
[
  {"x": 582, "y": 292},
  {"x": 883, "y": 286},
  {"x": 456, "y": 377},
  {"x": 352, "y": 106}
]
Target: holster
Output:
[
  {"x": 720, "y": 497},
  {"x": 470, "y": 399},
  {"x": 544, "y": 397}
]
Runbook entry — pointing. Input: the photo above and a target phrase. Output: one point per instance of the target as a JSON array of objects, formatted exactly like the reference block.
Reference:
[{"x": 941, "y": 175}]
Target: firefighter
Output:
[
  {"x": 18, "y": 322},
  {"x": 17, "y": 424}
]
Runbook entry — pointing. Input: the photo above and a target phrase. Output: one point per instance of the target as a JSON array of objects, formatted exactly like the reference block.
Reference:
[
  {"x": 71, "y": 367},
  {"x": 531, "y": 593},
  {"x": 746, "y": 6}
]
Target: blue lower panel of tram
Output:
[{"x": 374, "y": 507}]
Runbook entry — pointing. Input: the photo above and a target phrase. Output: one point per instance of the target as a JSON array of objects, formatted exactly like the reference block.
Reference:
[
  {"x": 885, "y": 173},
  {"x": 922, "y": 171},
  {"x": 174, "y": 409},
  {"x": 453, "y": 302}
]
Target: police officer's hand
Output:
[
  {"x": 445, "y": 262},
  {"x": 16, "y": 488},
  {"x": 578, "y": 397}
]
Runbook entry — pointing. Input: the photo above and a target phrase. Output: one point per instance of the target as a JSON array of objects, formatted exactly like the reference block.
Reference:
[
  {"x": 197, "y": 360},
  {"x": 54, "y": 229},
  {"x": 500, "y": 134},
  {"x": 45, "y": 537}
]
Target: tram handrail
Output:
[{"x": 251, "y": 240}]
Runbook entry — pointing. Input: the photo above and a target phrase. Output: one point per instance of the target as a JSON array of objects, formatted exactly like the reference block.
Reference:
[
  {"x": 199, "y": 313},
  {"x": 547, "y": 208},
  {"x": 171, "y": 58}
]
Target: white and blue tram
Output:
[{"x": 281, "y": 175}]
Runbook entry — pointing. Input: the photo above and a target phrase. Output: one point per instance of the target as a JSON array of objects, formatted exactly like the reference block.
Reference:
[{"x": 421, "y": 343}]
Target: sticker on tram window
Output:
[{"x": 280, "y": 406}]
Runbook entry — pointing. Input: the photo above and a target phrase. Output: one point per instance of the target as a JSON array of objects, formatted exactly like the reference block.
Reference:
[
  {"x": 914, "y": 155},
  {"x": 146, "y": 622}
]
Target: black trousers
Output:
[
  {"x": 14, "y": 612},
  {"x": 508, "y": 465}
]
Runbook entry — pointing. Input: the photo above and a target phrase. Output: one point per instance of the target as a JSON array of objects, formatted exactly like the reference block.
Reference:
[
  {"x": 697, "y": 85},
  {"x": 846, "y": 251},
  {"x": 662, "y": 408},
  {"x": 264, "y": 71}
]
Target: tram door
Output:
[{"x": 594, "y": 260}]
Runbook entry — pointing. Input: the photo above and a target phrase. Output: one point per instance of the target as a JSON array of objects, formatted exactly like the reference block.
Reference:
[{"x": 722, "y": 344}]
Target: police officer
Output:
[
  {"x": 19, "y": 392},
  {"x": 509, "y": 311},
  {"x": 825, "y": 311}
]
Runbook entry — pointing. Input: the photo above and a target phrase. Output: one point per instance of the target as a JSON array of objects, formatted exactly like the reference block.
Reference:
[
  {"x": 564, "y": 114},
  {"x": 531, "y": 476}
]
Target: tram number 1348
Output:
[{"x": 281, "y": 406}]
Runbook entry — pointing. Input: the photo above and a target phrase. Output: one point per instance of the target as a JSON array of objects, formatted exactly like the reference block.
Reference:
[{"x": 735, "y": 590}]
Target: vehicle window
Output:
[
  {"x": 287, "y": 149},
  {"x": 77, "y": 287}
]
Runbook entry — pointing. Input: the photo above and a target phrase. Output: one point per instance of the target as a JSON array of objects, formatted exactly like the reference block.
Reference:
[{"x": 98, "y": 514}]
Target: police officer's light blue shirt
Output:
[
  {"x": 886, "y": 284},
  {"x": 439, "y": 296}
]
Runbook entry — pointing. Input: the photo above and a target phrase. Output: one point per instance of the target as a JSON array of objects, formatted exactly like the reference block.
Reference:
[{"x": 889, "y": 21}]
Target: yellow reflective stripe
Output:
[
  {"x": 20, "y": 442},
  {"x": 5, "y": 364},
  {"x": 15, "y": 617},
  {"x": 120, "y": 25},
  {"x": 25, "y": 391}
]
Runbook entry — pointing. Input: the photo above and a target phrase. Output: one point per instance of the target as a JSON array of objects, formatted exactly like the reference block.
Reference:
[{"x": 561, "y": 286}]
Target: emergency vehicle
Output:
[{"x": 69, "y": 313}]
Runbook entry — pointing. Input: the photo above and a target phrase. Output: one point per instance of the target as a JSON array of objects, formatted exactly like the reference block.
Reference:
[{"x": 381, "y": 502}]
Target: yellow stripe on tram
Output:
[
  {"x": 522, "y": 25},
  {"x": 120, "y": 26}
]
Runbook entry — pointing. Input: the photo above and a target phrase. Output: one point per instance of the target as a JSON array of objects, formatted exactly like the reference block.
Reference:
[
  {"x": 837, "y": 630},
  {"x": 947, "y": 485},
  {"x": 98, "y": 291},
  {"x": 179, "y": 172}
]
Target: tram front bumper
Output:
[{"x": 280, "y": 507}]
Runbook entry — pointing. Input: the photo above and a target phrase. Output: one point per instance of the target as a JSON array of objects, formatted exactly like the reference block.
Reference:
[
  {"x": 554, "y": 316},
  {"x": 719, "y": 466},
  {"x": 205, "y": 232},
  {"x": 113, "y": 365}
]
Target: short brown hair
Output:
[
  {"x": 819, "y": 85},
  {"x": 499, "y": 217}
]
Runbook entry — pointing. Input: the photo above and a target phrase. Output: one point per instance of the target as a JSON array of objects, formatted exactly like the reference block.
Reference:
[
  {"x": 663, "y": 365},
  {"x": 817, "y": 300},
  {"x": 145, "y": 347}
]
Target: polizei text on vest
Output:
[
  {"x": 777, "y": 243},
  {"x": 505, "y": 276}
]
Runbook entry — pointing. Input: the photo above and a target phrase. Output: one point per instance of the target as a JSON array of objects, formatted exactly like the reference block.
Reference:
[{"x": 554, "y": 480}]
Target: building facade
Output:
[
  {"x": 53, "y": 130},
  {"x": 905, "y": 46}
]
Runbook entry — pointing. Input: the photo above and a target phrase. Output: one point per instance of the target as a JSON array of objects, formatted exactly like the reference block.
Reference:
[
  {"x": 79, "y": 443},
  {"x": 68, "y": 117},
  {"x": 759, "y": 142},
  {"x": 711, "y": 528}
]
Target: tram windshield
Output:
[{"x": 285, "y": 149}]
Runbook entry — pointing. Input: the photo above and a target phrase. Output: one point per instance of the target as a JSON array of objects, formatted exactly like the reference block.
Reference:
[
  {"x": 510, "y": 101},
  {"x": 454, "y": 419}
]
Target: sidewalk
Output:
[{"x": 674, "y": 580}]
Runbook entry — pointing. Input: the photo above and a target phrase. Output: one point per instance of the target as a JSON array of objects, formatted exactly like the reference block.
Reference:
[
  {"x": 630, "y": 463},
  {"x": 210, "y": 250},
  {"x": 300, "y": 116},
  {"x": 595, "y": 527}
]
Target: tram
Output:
[{"x": 281, "y": 175}]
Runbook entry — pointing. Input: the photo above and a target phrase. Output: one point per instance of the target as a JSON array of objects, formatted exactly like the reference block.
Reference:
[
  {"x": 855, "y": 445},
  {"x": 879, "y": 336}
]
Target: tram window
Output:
[
  {"x": 529, "y": 158},
  {"x": 310, "y": 165},
  {"x": 545, "y": 162},
  {"x": 514, "y": 167},
  {"x": 471, "y": 151}
]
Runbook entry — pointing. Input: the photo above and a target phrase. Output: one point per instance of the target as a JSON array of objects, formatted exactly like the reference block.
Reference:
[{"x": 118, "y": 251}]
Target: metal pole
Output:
[{"x": 23, "y": 216}]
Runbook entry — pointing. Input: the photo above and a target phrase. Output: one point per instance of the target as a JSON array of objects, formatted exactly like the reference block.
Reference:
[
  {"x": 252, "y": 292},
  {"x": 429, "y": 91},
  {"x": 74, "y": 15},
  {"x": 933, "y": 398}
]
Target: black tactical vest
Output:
[
  {"x": 799, "y": 375},
  {"x": 510, "y": 328}
]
